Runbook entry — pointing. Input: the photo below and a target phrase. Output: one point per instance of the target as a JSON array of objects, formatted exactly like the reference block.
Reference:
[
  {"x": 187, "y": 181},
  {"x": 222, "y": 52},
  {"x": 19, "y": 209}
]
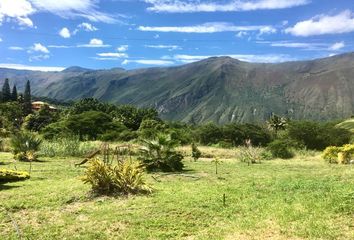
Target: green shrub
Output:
[
  {"x": 160, "y": 154},
  {"x": 330, "y": 154},
  {"x": 196, "y": 153},
  {"x": 66, "y": 147},
  {"x": 317, "y": 136},
  {"x": 12, "y": 176},
  {"x": 341, "y": 155},
  {"x": 280, "y": 149},
  {"x": 124, "y": 178},
  {"x": 125, "y": 136},
  {"x": 249, "y": 154},
  {"x": 25, "y": 145}
]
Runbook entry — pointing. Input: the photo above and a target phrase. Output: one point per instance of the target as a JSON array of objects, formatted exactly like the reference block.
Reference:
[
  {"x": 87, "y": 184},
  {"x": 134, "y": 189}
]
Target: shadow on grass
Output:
[{"x": 3, "y": 186}]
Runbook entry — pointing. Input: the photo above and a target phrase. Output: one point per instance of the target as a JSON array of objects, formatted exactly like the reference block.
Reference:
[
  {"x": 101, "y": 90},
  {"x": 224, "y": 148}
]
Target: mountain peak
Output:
[{"x": 76, "y": 69}]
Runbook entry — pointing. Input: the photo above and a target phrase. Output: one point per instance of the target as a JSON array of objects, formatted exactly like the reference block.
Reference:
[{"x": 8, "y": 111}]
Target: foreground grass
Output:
[{"x": 303, "y": 198}]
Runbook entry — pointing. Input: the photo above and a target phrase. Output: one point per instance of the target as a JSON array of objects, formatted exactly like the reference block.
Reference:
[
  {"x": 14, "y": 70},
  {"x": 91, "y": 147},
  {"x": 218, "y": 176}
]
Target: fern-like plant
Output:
[{"x": 160, "y": 154}]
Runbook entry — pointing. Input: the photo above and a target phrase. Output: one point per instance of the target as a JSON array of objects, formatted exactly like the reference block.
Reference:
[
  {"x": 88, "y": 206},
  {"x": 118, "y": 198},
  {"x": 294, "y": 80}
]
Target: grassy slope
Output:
[{"x": 302, "y": 198}]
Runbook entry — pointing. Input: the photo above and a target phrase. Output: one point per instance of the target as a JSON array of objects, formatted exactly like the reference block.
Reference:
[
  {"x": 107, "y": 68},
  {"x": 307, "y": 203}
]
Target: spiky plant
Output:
[
  {"x": 277, "y": 123},
  {"x": 25, "y": 145},
  {"x": 160, "y": 154},
  {"x": 127, "y": 177}
]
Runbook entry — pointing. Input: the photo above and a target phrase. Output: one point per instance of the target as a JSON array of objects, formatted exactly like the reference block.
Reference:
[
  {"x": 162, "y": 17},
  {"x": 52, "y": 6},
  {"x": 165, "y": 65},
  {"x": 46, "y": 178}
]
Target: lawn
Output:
[{"x": 302, "y": 198}]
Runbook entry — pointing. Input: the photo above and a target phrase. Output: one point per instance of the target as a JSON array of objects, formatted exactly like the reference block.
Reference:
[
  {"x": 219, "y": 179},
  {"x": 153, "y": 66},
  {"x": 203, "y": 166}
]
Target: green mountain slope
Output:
[{"x": 216, "y": 89}]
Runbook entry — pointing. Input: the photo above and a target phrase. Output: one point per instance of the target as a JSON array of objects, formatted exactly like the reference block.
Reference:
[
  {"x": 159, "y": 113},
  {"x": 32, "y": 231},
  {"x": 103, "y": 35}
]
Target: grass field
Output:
[{"x": 302, "y": 198}]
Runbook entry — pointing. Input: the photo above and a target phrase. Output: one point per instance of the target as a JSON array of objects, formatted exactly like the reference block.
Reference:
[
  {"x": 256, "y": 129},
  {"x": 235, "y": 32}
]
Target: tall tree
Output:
[
  {"x": 14, "y": 93},
  {"x": 6, "y": 92},
  {"x": 27, "y": 103}
]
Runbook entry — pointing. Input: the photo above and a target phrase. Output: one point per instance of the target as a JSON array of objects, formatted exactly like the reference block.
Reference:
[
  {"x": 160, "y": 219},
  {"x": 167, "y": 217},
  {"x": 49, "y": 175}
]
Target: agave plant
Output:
[{"x": 160, "y": 154}]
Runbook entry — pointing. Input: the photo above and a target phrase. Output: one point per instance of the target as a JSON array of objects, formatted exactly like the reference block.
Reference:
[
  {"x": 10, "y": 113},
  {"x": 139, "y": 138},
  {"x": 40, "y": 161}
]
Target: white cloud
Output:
[
  {"x": 169, "y": 47},
  {"x": 15, "y": 48},
  {"x": 59, "y": 46},
  {"x": 212, "y": 27},
  {"x": 16, "y": 10},
  {"x": 337, "y": 46},
  {"x": 241, "y": 34},
  {"x": 306, "y": 45},
  {"x": 37, "y": 47},
  {"x": 149, "y": 62},
  {"x": 113, "y": 55},
  {"x": 70, "y": 9},
  {"x": 94, "y": 43},
  {"x": 65, "y": 33},
  {"x": 189, "y": 6},
  {"x": 266, "y": 58},
  {"x": 88, "y": 27},
  {"x": 324, "y": 24},
  {"x": 122, "y": 48},
  {"x": 32, "y": 68},
  {"x": 21, "y": 10},
  {"x": 267, "y": 30},
  {"x": 0, "y": 39},
  {"x": 38, "y": 57}
]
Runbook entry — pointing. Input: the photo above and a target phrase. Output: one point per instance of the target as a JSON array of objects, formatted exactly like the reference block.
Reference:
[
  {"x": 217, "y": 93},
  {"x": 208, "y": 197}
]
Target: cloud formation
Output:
[
  {"x": 212, "y": 27},
  {"x": 32, "y": 68},
  {"x": 94, "y": 43},
  {"x": 21, "y": 10},
  {"x": 324, "y": 24},
  {"x": 190, "y": 6},
  {"x": 65, "y": 33},
  {"x": 265, "y": 58},
  {"x": 161, "y": 46},
  {"x": 149, "y": 62},
  {"x": 37, "y": 47}
]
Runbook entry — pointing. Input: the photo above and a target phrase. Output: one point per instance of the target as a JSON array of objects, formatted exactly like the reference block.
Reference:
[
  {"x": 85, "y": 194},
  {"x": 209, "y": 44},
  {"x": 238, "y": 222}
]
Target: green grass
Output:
[{"x": 303, "y": 198}]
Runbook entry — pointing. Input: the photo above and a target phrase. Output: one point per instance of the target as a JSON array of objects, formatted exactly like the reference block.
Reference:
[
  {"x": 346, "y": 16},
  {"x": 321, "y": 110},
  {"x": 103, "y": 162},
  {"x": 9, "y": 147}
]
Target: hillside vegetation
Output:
[{"x": 220, "y": 89}]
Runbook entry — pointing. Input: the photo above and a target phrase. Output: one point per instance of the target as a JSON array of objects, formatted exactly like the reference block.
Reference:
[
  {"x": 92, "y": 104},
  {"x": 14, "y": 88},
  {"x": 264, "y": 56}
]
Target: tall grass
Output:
[{"x": 66, "y": 147}]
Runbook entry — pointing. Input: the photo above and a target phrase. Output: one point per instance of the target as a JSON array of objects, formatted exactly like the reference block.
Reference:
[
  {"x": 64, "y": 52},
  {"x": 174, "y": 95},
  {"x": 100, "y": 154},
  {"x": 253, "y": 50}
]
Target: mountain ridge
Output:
[{"x": 219, "y": 89}]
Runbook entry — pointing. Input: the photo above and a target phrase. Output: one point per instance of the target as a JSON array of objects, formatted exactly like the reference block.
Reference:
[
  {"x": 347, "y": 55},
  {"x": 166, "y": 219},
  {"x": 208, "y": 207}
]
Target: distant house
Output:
[{"x": 36, "y": 106}]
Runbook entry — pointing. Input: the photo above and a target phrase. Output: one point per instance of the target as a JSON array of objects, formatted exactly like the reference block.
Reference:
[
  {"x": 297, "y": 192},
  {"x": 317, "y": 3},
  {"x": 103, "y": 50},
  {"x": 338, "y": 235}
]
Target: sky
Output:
[{"x": 50, "y": 35}]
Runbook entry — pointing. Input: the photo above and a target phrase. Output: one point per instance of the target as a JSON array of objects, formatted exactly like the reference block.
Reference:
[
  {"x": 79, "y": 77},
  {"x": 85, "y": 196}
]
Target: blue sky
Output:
[{"x": 54, "y": 34}]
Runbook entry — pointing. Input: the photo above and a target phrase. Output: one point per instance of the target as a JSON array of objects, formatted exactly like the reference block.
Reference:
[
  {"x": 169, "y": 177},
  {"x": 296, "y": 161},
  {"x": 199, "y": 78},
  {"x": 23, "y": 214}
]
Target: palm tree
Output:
[{"x": 160, "y": 154}]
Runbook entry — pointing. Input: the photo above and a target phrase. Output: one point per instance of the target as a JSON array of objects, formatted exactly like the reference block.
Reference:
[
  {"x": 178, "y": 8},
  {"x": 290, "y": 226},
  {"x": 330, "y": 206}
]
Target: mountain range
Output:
[{"x": 218, "y": 89}]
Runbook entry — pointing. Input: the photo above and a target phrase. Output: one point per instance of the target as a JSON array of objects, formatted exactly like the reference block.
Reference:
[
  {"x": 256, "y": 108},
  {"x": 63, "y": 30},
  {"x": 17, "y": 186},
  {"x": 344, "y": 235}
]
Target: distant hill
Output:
[{"x": 219, "y": 89}]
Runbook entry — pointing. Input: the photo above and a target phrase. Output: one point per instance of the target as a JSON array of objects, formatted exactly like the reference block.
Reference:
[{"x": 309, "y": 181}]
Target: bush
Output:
[
  {"x": 209, "y": 134},
  {"x": 124, "y": 178},
  {"x": 317, "y": 136},
  {"x": 196, "y": 153},
  {"x": 25, "y": 145},
  {"x": 125, "y": 135},
  {"x": 330, "y": 154},
  {"x": 250, "y": 154},
  {"x": 341, "y": 155},
  {"x": 65, "y": 147},
  {"x": 279, "y": 149},
  {"x": 160, "y": 154},
  {"x": 12, "y": 176}
]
